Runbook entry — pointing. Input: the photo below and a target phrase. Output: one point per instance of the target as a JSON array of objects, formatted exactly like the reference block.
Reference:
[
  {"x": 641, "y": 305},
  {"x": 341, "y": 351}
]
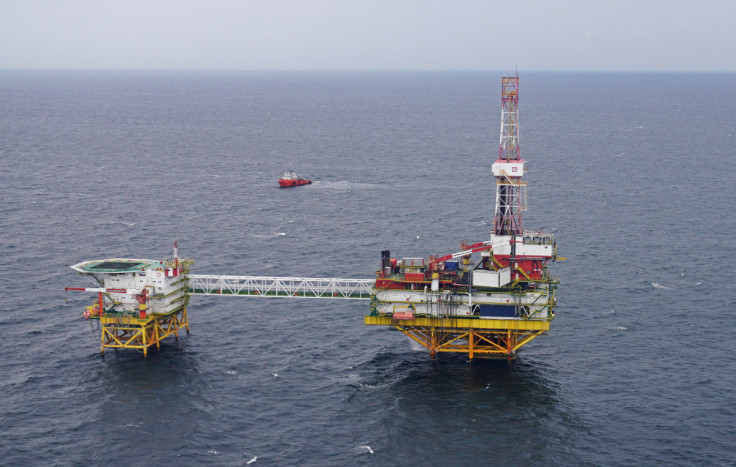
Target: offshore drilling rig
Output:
[
  {"x": 487, "y": 300},
  {"x": 491, "y": 307}
]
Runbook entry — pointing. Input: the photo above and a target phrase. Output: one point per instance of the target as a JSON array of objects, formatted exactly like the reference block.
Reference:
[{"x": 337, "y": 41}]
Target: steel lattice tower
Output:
[{"x": 509, "y": 168}]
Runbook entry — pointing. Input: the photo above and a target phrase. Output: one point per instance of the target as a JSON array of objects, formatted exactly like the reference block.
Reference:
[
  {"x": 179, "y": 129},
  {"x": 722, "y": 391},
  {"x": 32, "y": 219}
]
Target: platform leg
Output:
[
  {"x": 157, "y": 335},
  {"x": 185, "y": 318},
  {"x": 471, "y": 344},
  {"x": 145, "y": 346}
]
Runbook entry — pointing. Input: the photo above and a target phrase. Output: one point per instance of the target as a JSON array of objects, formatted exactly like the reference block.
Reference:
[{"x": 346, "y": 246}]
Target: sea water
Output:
[{"x": 634, "y": 173}]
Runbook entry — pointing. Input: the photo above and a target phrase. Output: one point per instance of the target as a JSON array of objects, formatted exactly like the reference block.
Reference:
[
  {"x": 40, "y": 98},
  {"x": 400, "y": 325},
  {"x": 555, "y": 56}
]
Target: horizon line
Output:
[{"x": 351, "y": 70}]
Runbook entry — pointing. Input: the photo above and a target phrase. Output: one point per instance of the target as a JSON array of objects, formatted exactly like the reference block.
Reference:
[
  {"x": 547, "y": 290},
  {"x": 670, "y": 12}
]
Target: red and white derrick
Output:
[
  {"x": 526, "y": 253},
  {"x": 509, "y": 168},
  {"x": 514, "y": 254}
]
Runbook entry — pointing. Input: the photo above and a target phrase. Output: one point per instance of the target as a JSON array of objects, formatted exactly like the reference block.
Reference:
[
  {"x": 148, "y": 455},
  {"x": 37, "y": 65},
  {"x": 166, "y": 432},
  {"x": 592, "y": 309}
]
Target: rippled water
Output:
[{"x": 635, "y": 174}]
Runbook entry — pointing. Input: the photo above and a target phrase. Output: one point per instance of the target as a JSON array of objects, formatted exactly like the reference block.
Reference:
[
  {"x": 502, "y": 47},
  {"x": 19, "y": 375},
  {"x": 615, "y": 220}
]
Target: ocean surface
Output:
[{"x": 634, "y": 173}]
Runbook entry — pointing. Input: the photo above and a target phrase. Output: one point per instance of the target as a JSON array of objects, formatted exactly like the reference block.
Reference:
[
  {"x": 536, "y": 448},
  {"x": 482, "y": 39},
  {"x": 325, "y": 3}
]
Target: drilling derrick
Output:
[{"x": 509, "y": 168}]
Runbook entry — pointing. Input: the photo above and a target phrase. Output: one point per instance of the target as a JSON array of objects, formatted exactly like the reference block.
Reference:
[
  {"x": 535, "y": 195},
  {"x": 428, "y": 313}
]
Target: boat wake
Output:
[{"x": 344, "y": 185}]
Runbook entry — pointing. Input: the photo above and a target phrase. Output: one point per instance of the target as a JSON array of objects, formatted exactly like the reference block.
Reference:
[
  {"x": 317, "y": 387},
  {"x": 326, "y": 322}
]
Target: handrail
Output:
[{"x": 298, "y": 287}]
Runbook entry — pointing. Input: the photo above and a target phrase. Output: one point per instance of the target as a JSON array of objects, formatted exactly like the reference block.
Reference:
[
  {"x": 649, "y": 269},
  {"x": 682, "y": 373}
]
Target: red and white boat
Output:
[{"x": 290, "y": 179}]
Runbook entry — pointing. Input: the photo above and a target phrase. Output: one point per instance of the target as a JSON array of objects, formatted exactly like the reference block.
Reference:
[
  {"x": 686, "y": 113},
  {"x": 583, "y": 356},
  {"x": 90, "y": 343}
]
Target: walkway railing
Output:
[{"x": 301, "y": 287}]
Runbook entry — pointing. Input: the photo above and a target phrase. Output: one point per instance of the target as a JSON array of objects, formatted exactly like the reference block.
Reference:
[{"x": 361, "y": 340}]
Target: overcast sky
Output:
[{"x": 591, "y": 35}]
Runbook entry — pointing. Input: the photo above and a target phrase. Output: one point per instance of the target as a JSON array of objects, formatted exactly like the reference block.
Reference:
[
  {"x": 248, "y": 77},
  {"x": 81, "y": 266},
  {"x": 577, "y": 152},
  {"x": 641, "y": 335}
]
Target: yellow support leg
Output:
[
  {"x": 145, "y": 347},
  {"x": 155, "y": 336},
  {"x": 433, "y": 343},
  {"x": 471, "y": 342}
]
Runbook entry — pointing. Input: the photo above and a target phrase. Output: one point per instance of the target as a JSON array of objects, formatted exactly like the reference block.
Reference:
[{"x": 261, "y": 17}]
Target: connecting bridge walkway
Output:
[{"x": 297, "y": 287}]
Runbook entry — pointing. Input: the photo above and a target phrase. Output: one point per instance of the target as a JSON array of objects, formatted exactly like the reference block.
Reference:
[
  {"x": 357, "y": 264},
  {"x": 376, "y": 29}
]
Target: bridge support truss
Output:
[{"x": 298, "y": 287}]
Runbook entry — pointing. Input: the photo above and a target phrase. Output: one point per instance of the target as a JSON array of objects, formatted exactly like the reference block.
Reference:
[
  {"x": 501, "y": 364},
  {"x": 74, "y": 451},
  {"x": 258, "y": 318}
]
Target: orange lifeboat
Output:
[{"x": 290, "y": 179}]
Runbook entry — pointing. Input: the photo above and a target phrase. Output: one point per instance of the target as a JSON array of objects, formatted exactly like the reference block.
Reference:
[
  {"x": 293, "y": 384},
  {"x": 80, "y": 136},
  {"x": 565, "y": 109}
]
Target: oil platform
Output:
[
  {"x": 139, "y": 301},
  {"x": 490, "y": 307},
  {"x": 487, "y": 300}
]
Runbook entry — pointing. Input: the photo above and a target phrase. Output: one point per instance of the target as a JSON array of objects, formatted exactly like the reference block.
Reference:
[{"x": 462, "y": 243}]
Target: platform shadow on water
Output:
[{"x": 470, "y": 408}]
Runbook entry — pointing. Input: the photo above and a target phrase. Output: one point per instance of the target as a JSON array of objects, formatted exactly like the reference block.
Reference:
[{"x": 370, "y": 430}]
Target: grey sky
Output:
[{"x": 370, "y": 35}]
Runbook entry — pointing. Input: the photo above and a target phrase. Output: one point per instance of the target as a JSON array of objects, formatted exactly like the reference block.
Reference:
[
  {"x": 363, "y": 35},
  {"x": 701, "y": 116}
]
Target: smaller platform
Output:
[{"x": 139, "y": 301}]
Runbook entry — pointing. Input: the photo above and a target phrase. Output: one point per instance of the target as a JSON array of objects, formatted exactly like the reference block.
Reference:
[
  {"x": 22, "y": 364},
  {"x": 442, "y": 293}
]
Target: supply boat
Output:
[{"x": 290, "y": 179}]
